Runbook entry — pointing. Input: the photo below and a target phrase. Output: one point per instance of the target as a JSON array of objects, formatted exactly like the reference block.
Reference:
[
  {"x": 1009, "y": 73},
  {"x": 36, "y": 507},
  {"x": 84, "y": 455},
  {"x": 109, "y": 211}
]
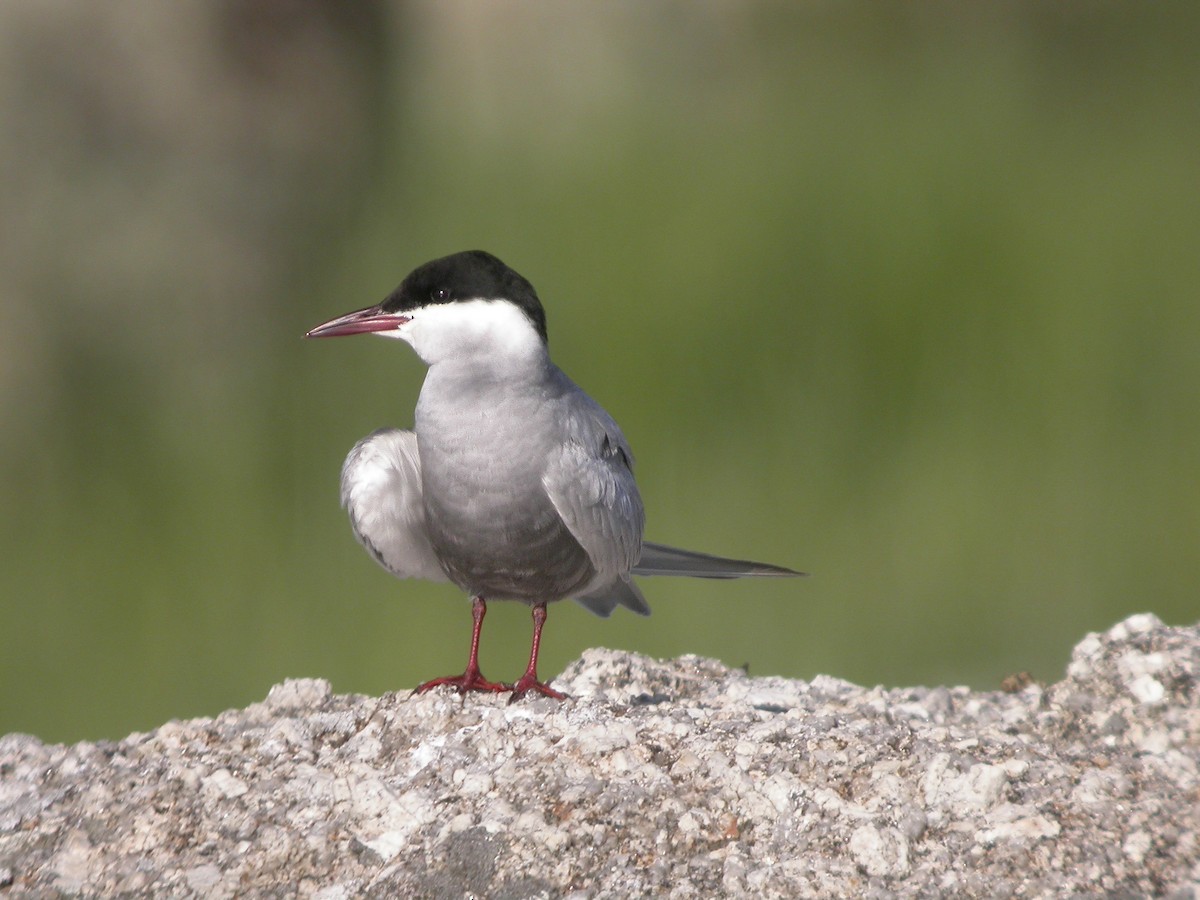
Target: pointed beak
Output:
[{"x": 363, "y": 321}]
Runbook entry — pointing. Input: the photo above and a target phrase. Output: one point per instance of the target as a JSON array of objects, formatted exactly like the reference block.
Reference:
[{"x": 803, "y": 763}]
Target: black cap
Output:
[{"x": 469, "y": 275}]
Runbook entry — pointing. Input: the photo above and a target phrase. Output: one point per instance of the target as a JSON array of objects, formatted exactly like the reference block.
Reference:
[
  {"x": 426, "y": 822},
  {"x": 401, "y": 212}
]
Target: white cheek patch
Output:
[
  {"x": 468, "y": 327},
  {"x": 400, "y": 333}
]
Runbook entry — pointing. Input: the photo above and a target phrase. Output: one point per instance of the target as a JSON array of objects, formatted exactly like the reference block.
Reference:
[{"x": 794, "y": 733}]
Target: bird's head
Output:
[{"x": 465, "y": 306}]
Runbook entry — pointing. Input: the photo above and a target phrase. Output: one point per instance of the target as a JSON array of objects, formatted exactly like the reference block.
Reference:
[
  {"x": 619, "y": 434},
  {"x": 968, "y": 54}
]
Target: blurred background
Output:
[{"x": 902, "y": 295}]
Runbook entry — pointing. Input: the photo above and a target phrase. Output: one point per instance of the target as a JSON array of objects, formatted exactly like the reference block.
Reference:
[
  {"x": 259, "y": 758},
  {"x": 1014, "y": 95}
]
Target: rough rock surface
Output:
[{"x": 679, "y": 779}]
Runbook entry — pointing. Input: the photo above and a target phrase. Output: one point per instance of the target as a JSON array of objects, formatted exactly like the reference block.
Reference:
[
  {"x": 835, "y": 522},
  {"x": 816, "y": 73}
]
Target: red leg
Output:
[
  {"x": 529, "y": 681},
  {"x": 472, "y": 679}
]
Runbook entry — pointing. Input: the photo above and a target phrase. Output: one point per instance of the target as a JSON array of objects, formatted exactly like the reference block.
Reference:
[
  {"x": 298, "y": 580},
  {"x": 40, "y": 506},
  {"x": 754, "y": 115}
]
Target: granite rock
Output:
[{"x": 681, "y": 778}]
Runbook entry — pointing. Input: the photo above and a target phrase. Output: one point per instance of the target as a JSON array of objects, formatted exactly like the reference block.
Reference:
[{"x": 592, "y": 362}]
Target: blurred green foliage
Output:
[{"x": 902, "y": 296}]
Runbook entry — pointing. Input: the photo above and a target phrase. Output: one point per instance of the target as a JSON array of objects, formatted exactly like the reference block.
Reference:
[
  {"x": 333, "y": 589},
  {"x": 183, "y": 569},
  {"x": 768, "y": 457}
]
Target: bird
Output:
[{"x": 513, "y": 484}]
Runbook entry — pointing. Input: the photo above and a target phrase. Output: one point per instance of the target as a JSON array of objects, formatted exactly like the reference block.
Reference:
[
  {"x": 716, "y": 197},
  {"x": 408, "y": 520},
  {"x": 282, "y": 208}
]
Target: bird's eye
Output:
[{"x": 441, "y": 295}]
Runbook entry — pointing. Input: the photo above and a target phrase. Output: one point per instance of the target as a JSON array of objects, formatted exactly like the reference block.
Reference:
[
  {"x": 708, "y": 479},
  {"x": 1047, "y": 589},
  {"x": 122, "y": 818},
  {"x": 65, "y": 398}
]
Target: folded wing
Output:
[
  {"x": 381, "y": 490},
  {"x": 658, "y": 559},
  {"x": 589, "y": 480}
]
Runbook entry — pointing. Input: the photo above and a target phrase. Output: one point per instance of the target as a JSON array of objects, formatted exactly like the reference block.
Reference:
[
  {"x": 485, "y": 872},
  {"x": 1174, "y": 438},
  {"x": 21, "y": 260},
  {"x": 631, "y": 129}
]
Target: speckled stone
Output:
[{"x": 680, "y": 779}]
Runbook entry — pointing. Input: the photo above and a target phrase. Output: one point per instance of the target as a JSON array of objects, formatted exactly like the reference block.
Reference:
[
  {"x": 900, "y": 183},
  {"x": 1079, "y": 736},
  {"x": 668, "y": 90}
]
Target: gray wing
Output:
[
  {"x": 658, "y": 559},
  {"x": 589, "y": 480},
  {"x": 381, "y": 490}
]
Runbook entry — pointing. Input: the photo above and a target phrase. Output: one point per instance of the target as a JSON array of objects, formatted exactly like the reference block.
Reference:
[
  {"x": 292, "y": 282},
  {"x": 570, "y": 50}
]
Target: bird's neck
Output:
[{"x": 515, "y": 371}]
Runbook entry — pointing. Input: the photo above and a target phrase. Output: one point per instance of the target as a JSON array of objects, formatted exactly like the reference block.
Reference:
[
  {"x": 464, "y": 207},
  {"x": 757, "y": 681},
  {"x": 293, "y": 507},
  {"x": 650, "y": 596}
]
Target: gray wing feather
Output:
[
  {"x": 381, "y": 490},
  {"x": 658, "y": 559},
  {"x": 589, "y": 480}
]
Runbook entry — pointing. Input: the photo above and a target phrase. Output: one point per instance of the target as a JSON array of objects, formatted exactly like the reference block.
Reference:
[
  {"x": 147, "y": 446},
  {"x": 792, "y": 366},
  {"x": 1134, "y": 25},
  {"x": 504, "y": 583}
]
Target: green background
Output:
[{"x": 905, "y": 296}]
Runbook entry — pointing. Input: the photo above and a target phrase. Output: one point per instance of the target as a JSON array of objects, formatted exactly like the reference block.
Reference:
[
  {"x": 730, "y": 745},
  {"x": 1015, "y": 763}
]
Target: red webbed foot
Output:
[
  {"x": 470, "y": 680},
  {"x": 529, "y": 682}
]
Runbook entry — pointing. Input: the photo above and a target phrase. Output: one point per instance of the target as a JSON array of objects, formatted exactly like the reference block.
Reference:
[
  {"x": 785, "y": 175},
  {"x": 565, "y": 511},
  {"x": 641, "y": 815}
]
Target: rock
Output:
[{"x": 681, "y": 777}]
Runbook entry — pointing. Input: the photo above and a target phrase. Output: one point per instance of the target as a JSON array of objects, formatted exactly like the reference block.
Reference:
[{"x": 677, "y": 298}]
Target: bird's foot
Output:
[
  {"x": 470, "y": 680},
  {"x": 529, "y": 682}
]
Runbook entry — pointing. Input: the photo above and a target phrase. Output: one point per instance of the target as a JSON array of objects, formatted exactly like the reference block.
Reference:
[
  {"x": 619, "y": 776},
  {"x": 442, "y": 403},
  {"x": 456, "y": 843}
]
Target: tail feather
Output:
[
  {"x": 622, "y": 592},
  {"x": 658, "y": 559}
]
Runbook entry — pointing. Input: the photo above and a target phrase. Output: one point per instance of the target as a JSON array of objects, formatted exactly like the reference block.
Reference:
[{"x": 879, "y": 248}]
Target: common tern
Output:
[{"x": 513, "y": 484}]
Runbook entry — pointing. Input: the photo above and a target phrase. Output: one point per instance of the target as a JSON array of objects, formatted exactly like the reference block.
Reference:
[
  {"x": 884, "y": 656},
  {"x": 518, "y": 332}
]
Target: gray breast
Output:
[
  {"x": 489, "y": 519},
  {"x": 530, "y": 556}
]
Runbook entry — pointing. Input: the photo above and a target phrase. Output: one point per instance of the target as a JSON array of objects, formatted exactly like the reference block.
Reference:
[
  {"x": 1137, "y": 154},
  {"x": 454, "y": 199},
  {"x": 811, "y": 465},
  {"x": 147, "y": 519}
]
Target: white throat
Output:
[{"x": 489, "y": 333}]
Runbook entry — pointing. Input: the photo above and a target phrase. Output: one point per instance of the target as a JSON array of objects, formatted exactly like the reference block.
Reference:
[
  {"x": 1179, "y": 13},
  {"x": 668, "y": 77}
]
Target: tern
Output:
[{"x": 513, "y": 484}]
